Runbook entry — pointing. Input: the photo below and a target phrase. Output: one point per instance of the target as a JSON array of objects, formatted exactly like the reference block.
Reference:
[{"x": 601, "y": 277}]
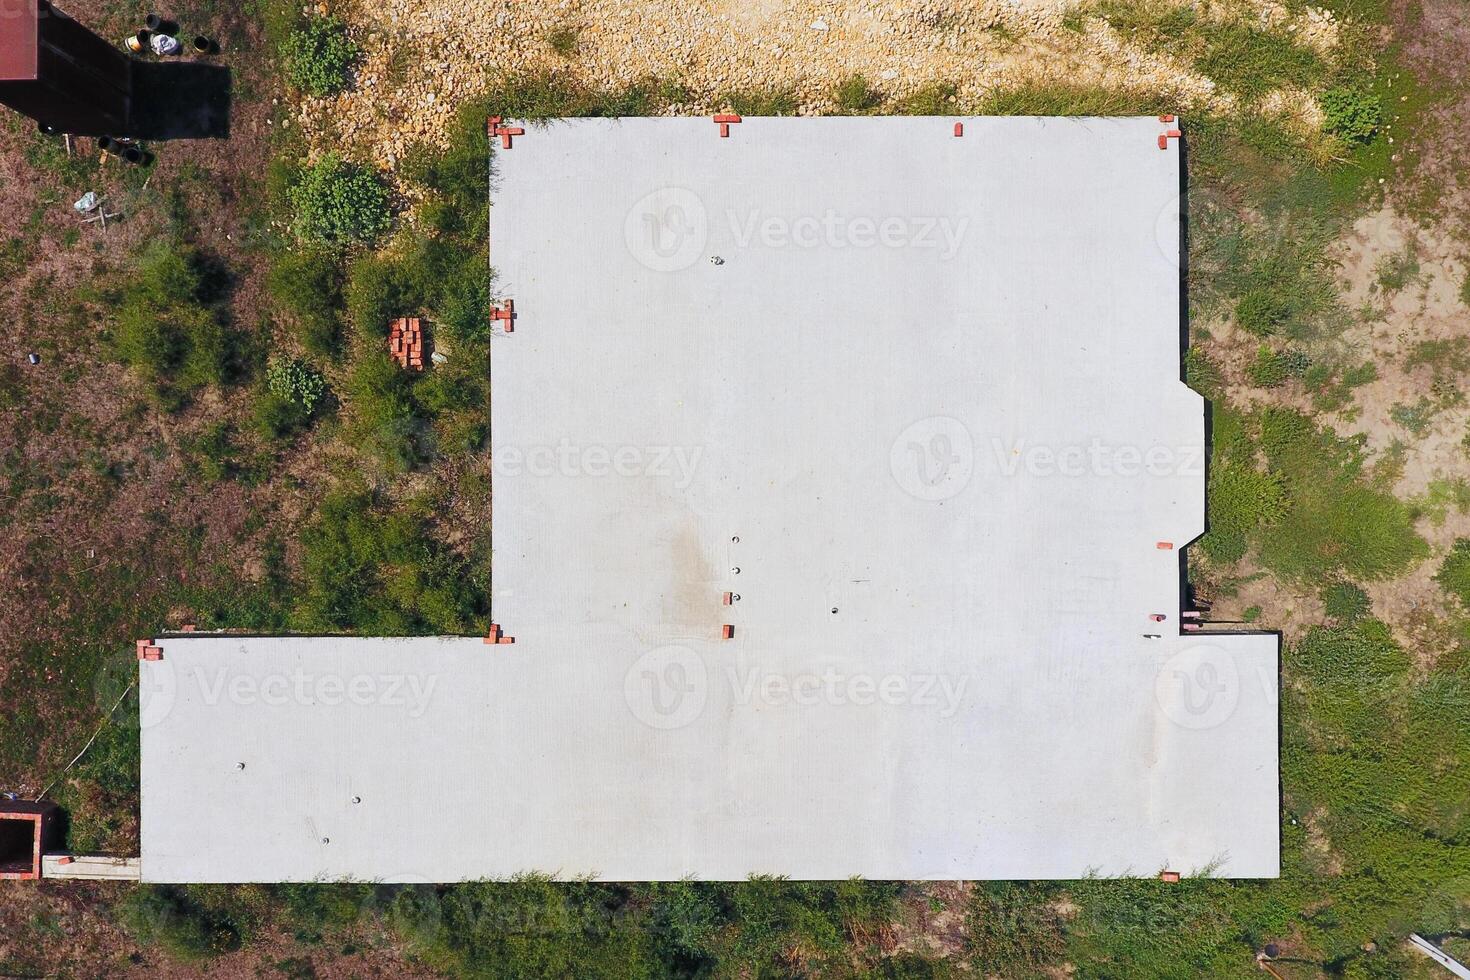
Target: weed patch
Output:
[
  {"x": 854, "y": 95},
  {"x": 165, "y": 328},
  {"x": 563, "y": 40},
  {"x": 319, "y": 56},
  {"x": 378, "y": 572},
  {"x": 339, "y": 203},
  {"x": 1301, "y": 496}
]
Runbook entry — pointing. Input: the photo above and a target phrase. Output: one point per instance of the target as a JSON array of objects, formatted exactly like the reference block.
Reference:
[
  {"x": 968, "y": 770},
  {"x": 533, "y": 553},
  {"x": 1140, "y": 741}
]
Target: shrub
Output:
[
  {"x": 1351, "y": 114},
  {"x": 854, "y": 95},
  {"x": 296, "y": 381},
  {"x": 339, "y": 203},
  {"x": 319, "y": 56},
  {"x": 162, "y": 327},
  {"x": 307, "y": 287},
  {"x": 1454, "y": 573}
]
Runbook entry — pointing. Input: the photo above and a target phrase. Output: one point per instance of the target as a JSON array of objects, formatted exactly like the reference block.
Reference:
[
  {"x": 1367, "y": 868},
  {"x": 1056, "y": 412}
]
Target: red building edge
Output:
[
  {"x": 27, "y": 830},
  {"x": 61, "y": 74},
  {"x": 19, "y": 40}
]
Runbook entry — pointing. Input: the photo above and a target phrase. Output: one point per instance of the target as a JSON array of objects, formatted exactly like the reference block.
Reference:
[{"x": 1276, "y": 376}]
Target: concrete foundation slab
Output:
[{"x": 841, "y": 472}]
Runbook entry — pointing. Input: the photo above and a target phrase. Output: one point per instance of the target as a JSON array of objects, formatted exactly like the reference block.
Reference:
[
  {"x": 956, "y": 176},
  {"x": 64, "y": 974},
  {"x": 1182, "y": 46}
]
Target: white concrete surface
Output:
[
  {"x": 922, "y": 392},
  {"x": 90, "y": 867}
]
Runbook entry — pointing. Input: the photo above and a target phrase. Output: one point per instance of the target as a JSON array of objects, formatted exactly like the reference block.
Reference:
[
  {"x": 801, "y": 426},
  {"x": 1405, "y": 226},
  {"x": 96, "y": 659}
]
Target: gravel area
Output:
[{"x": 424, "y": 57}]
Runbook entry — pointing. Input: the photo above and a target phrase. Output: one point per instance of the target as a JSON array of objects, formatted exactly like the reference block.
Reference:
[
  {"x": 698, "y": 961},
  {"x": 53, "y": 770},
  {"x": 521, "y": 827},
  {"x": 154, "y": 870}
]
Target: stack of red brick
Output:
[{"x": 406, "y": 342}]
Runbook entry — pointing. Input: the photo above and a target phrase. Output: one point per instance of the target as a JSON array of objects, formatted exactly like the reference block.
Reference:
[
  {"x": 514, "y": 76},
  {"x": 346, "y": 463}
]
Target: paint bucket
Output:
[
  {"x": 158, "y": 25},
  {"x": 138, "y": 43},
  {"x": 133, "y": 154},
  {"x": 107, "y": 144},
  {"x": 203, "y": 45}
]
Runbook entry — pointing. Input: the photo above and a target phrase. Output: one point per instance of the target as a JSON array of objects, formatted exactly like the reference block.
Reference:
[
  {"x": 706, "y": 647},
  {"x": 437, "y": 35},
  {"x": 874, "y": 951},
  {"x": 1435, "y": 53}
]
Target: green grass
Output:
[
  {"x": 934, "y": 99},
  {"x": 532, "y": 927},
  {"x": 1251, "y": 62},
  {"x": 1440, "y": 497},
  {"x": 1273, "y": 368},
  {"x": 1242, "y": 58},
  {"x": 1345, "y": 602},
  {"x": 1302, "y": 498},
  {"x": 1245, "y": 501},
  {"x": 1336, "y": 521},
  {"x": 306, "y": 290},
  {"x": 1361, "y": 725},
  {"x": 1454, "y": 573},
  {"x": 380, "y": 572},
  {"x": 1449, "y": 356},
  {"x": 762, "y": 102},
  {"x": 548, "y": 95},
  {"x": 1061, "y": 99},
  {"x": 1278, "y": 277}
]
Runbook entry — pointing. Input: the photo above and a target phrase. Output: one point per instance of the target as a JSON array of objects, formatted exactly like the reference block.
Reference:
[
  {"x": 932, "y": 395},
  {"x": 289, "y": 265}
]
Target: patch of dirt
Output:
[
  {"x": 422, "y": 58},
  {"x": 1436, "y": 45},
  {"x": 1413, "y": 417},
  {"x": 1325, "y": 860},
  {"x": 1282, "y": 607},
  {"x": 933, "y": 920},
  {"x": 1427, "y": 309},
  {"x": 64, "y": 929}
]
